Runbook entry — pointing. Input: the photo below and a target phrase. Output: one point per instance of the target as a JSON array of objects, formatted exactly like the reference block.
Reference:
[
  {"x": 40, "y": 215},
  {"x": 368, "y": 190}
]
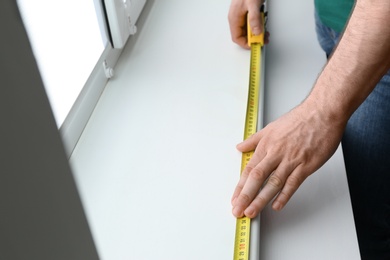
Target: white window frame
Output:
[
  {"x": 78, "y": 116},
  {"x": 76, "y": 120},
  {"x": 82, "y": 109}
]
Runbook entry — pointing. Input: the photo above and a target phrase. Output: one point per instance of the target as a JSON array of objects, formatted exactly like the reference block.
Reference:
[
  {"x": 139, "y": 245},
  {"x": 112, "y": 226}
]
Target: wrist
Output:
[{"x": 330, "y": 112}]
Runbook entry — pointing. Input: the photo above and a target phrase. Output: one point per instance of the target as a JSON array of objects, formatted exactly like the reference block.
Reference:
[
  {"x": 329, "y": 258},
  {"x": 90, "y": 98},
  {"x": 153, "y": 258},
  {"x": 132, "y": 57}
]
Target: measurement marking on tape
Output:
[{"x": 243, "y": 225}]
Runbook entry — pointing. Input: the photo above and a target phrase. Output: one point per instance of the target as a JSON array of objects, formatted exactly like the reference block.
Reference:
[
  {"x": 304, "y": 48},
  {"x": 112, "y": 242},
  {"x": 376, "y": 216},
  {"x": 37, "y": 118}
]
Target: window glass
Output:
[{"x": 67, "y": 43}]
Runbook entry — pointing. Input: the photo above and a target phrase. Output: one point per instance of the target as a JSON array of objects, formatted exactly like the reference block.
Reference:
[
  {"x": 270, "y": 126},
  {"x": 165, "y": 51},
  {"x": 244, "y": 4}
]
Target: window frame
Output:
[{"x": 78, "y": 116}]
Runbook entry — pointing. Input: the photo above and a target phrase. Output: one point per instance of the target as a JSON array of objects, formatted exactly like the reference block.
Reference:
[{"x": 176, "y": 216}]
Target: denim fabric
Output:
[
  {"x": 366, "y": 149},
  {"x": 327, "y": 37}
]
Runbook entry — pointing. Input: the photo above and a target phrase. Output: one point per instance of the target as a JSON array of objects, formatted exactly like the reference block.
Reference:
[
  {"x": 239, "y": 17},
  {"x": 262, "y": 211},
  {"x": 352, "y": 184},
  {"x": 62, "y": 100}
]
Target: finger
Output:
[
  {"x": 271, "y": 188},
  {"x": 292, "y": 184},
  {"x": 266, "y": 37},
  {"x": 249, "y": 144},
  {"x": 237, "y": 25},
  {"x": 251, "y": 188},
  {"x": 255, "y": 18},
  {"x": 255, "y": 160},
  {"x": 240, "y": 186},
  {"x": 239, "y": 37}
]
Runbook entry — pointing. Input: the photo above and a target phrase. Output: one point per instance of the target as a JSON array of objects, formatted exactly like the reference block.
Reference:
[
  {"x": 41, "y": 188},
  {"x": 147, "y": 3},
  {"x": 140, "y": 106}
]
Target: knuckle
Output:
[
  {"x": 244, "y": 198},
  {"x": 235, "y": 39},
  {"x": 239, "y": 186},
  {"x": 260, "y": 201},
  {"x": 284, "y": 196},
  {"x": 246, "y": 171},
  {"x": 254, "y": 139},
  {"x": 258, "y": 204},
  {"x": 275, "y": 181},
  {"x": 232, "y": 15},
  {"x": 257, "y": 174},
  {"x": 293, "y": 181}
]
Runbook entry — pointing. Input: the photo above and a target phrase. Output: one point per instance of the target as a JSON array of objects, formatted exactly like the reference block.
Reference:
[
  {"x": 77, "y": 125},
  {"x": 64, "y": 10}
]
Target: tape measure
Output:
[{"x": 243, "y": 225}]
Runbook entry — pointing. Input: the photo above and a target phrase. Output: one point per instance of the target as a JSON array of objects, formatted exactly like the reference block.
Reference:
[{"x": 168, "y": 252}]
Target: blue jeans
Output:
[{"x": 366, "y": 149}]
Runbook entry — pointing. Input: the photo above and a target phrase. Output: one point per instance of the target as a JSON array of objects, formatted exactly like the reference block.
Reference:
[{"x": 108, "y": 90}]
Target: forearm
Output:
[{"x": 360, "y": 60}]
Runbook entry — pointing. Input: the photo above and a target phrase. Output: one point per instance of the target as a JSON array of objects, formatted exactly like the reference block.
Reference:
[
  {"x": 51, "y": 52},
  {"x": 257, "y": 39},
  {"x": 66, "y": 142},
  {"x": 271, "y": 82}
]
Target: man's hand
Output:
[
  {"x": 291, "y": 148},
  {"x": 287, "y": 151},
  {"x": 239, "y": 9}
]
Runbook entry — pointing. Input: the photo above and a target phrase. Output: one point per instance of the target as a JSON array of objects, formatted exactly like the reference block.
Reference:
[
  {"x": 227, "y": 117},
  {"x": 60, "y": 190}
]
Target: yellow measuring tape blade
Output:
[{"x": 243, "y": 225}]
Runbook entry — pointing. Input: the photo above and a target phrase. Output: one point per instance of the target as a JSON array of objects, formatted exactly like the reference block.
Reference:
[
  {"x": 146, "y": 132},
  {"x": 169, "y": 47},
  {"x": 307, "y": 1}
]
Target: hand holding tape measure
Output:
[{"x": 241, "y": 14}]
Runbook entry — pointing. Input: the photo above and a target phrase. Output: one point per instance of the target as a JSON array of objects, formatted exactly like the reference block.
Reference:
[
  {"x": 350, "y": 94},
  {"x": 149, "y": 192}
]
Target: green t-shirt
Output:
[{"x": 334, "y": 13}]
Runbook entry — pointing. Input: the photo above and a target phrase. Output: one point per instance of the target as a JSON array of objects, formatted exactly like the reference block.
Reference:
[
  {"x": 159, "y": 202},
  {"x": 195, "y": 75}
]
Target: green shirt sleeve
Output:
[{"x": 334, "y": 13}]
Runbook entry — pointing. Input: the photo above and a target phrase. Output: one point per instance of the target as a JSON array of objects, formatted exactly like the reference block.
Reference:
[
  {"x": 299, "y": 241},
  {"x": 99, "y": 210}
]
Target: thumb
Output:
[
  {"x": 249, "y": 144},
  {"x": 254, "y": 17}
]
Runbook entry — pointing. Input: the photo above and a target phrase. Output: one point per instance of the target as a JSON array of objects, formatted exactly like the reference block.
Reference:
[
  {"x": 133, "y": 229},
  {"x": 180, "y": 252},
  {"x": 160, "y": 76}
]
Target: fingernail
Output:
[
  {"x": 277, "y": 206},
  {"x": 249, "y": 212},
  {"x": 256, "y": 30},
  {"x": 237, "y": 212}
]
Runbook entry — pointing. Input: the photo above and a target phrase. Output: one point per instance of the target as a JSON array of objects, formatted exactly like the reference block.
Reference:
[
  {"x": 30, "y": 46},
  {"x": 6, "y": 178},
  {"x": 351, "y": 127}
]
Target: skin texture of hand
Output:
[
  {"x": 294, "y": 146},
  {"x": 287, "y": 151},
  {"x": 239, "y": 9}
]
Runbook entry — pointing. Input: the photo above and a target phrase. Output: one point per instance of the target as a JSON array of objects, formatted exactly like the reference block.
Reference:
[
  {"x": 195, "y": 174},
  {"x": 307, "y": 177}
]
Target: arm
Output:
[{"x": 291, "y": 148}]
